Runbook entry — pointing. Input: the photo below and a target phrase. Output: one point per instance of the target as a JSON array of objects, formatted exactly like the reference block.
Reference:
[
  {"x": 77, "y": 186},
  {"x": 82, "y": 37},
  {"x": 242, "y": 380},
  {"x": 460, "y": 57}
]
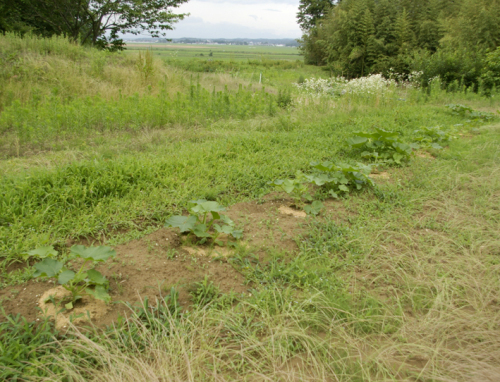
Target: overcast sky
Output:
[{"x": 238, "y": 19}]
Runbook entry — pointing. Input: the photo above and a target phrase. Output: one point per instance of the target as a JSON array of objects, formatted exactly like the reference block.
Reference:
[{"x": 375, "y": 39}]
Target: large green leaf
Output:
[
  {"x": 402, "y": 148},
  {"x": 227, "y": 229},
  {"x": 237, "y": 233},
  {"x": 320, "y": 179},
  {"x": 65, "y": 276},
  {"x": 357, "y": 141},
  {"x": 277, "y": 182},
  {"x": 365, "y": 135},
  {"x": 184, "y": 223},
  {"x": 325, "y": 166},
  {"x": 314, "y": 208},
  {"x": 344, "y": 188},
  {"x": 96, "y": 277},
  {"x": 288, "y": 186},
  {"x": 48, "y": 267},
  {"x": 100, "y": 253},
  {"x": 99, "y": 292},
  {"x": 41, "y": 252},
  {"x": 385, "y": 133},
  {"x": 201, "y": 231},
  {"x": 205, "y": 207},
  {"x": 226, "y": 219}
]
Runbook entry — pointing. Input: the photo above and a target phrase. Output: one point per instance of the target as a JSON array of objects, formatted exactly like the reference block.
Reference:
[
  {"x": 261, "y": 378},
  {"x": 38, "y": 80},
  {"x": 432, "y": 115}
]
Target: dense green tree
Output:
[
  {"x": 310, "y": 11},
  {"x": 90, "y": 21},
  {"x": 445, "y": 38}
]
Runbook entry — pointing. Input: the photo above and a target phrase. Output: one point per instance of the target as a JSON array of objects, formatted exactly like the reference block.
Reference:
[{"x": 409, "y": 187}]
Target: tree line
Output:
[
  {"x": 89, "y": 22},
  {"x": 455, "y": 40}
]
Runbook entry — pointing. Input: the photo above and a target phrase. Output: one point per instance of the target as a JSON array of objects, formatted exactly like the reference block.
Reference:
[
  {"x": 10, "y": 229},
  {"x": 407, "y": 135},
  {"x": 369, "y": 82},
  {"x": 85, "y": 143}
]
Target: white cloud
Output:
[{"x": 238, "y": 19}]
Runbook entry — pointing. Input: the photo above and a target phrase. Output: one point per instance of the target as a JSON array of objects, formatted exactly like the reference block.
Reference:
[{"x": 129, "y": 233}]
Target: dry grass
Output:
[{"x": 437, "y": 273}]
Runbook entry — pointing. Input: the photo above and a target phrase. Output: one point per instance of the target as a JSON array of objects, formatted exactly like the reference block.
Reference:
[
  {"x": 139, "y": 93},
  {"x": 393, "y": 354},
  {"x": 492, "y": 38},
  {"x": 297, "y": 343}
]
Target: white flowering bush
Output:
[
  {"x": 320, "y": 86},
  {"x": 374, "y": 84},
  {"x": 412, "y": 80},
  {"x": 338, "y": 86}
]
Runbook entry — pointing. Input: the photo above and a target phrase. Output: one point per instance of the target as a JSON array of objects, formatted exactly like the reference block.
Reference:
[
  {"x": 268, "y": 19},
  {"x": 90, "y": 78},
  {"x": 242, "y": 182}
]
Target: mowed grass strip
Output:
[
  {"x": 401, "y": 283},
  {"x": 127, "y": 181}
]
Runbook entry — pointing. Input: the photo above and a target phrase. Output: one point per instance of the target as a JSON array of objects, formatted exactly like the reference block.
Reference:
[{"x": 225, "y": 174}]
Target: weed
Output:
[
  {"x": 204, "y": 292},
  {"x": 22, "y": 340},
  {"x": 145, "y": 64},
  {"x": 284, "y": 99}
]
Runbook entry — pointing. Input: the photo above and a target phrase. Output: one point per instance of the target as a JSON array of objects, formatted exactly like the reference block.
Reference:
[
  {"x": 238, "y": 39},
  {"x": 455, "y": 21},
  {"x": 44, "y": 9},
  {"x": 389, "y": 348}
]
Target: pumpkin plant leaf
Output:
[
  {"x": 41, "y": 253},
  {"x": 184, "y": 223},
  {"x": 96, "y": 277},
  {"x": 99, "y": 292},
  {"x": 100, "y": 253},
  {"x": 66, "y": 276},
  {"x": 48, "y": 267}
]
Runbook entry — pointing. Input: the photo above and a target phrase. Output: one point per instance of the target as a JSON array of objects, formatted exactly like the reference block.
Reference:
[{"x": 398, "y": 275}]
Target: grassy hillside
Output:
[{"x": 395, "y": 281}]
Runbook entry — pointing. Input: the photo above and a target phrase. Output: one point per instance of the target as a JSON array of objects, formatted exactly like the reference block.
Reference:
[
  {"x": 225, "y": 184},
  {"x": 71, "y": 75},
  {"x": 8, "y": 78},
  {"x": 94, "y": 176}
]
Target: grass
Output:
[
  {"x": 219, "y": 52},
  {"x": 399, "y": 282}
]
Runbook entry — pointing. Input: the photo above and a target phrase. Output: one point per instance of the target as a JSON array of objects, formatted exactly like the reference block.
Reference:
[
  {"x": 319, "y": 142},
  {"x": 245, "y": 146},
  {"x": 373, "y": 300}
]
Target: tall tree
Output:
[
  {"x": 311, "y": 11},
  {"x": 89, "y": 21}
]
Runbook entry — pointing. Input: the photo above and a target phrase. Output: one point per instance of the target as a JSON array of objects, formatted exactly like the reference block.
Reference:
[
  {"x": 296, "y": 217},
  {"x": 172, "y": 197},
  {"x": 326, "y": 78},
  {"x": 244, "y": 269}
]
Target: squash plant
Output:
[
  {"x": 83, "y": 281},
  {"x": 297, "y": 188},
  {"x": 382, "y": 146},
  {"x": 433, "y": 137},
  {"x": 205, "y": 215},
  {"x": 341, "y": 178},
  {"x": 336, "y": 178}
]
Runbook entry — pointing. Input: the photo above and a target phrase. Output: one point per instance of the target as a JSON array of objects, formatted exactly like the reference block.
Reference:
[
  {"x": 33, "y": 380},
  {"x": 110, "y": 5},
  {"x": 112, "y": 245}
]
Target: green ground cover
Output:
[
  {"x": 383, "y": 285},
  {"x": 271, "y": 66},
  {"x": 219, "y": 52}
]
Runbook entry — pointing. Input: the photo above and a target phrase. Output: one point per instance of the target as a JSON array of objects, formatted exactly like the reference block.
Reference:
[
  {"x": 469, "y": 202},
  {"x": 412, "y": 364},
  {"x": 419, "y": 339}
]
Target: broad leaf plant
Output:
[{"x": 82, "y": 281}]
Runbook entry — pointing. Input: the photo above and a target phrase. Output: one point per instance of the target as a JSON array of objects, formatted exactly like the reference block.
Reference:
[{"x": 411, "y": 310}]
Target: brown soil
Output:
[
  {"x": 150, "y": 266},
  {"x": 381, "y": 175},
  {"x": 424, "y": 154},
  {"x": 285, "y": 210},
  {"x": 85, "y": 309}
]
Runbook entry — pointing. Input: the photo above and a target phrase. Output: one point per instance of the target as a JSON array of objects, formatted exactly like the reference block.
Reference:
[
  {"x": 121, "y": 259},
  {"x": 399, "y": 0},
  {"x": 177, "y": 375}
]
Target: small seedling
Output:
[
  {"x": 297, "y": 188},
  {"x": 382, "y": 146},
  {"x": 204, "y": 292},
  {"x": 314, "y": 208},
  {"x": 199, "y": 224},
  {"x": 79, "y": 283}
]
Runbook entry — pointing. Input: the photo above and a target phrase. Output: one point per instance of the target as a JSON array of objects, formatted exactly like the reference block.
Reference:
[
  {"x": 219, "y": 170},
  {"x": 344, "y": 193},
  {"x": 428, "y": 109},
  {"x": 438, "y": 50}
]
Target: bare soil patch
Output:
[
  {"x": 381, "y": 175},
  {"x": 424, "y": 154},
  {"x": 88, "y": 308},
  {"x": 150, "y": 266}
]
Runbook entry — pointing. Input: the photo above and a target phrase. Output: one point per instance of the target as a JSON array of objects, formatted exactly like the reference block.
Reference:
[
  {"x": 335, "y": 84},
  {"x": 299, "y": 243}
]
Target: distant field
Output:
[{"x": 219, "y": 52}]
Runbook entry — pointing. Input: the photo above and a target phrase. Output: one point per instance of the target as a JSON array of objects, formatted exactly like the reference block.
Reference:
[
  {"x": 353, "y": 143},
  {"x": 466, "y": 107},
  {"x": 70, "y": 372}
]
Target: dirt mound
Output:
[
  {"x": 85, "y": 309},
  {"x": 150, "y": 266}
]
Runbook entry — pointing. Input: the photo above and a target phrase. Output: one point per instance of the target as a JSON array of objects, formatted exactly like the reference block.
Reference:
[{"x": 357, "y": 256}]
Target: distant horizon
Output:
[
  {"x": 253, "y": 18},
  {"x": 210, "y": 38}
]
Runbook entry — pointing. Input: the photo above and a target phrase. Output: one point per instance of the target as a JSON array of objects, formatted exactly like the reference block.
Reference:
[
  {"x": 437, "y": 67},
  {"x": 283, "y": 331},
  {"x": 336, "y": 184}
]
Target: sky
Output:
[{"x": 238, "y": 19}]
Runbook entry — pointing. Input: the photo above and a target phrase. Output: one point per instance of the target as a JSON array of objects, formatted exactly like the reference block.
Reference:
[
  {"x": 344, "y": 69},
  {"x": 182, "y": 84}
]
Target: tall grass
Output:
[
  {"x": 53, "y": 119},
  {"x": 33, "y": 69}
]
